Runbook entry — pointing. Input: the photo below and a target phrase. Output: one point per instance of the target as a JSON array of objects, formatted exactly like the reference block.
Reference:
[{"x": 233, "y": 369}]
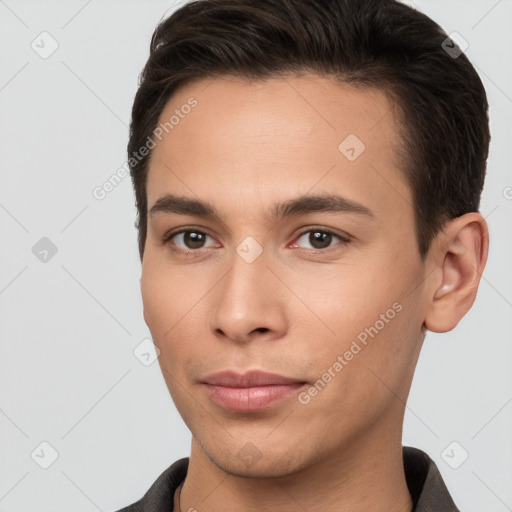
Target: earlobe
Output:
[{"x": 462, "y": 254}]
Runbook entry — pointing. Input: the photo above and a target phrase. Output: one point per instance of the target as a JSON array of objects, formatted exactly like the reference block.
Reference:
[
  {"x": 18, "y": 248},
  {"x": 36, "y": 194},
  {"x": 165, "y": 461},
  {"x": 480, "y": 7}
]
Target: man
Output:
[{"x": 307, "y": 176}]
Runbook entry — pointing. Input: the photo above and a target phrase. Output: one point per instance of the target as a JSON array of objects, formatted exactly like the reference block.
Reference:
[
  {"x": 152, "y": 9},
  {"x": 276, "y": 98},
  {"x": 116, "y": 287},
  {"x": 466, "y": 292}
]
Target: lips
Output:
[
  {"x": 247, "y": 380},
  {"x": 252, "y": 391}
]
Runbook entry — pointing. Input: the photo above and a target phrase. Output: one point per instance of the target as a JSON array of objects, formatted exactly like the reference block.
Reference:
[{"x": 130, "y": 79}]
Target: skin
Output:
[{"x": 297, "y": 306}]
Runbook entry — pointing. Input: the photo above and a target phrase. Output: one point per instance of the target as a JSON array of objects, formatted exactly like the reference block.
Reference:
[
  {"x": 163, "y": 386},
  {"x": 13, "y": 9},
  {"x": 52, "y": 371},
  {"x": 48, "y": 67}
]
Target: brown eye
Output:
[
  {"x": 188, "y": 239},
  {"x": 193, "y": 239},
  {"x": 320, "y": 239}
]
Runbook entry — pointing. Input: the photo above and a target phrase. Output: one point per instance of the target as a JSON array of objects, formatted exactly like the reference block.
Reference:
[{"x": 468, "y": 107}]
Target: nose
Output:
[{"x": 249, "y": 303}]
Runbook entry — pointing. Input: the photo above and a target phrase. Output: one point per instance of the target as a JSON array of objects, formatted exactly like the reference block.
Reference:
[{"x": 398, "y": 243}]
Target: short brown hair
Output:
[{"x": 380, "y": 43}]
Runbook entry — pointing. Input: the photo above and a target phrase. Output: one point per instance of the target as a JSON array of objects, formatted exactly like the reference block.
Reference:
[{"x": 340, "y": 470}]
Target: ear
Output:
[{"x": 460, "y": 253}]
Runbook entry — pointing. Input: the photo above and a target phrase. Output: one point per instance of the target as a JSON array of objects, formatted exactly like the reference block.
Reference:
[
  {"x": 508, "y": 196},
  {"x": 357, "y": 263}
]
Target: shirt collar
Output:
[{"x": 427, "y": 488}]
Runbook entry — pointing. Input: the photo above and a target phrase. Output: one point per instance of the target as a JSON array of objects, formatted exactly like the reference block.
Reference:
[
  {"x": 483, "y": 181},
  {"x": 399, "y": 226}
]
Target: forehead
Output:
[{"x": 277, "y": 138}]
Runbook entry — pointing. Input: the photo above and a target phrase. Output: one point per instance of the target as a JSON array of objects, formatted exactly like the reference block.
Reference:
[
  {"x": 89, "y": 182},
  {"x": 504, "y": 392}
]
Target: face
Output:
[{"x": 326, "y": 292}]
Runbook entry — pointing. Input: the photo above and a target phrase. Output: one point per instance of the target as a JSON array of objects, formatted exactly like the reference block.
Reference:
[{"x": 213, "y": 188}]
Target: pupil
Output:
[
  {"x": 324, "y": 239},
  {"x": 193, "y": 240}
]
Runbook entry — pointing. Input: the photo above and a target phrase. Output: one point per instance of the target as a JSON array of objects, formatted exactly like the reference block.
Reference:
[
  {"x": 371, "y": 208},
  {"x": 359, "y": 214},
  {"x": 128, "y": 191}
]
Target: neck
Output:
[{"x": 367, "y": 475}]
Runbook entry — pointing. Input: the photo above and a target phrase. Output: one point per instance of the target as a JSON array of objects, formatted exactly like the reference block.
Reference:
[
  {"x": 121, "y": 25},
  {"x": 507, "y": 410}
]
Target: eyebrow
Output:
[{"x": 302, "y": 205}]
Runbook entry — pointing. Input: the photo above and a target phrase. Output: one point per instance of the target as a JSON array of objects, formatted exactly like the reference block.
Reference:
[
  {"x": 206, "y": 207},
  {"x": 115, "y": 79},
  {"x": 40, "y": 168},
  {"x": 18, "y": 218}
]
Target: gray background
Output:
[{"x": 69, "y": 325}]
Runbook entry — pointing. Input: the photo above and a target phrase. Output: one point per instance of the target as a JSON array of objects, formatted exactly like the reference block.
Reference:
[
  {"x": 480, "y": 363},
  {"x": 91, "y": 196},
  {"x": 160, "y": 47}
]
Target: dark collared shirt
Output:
[{"x": 428, "y": 491}]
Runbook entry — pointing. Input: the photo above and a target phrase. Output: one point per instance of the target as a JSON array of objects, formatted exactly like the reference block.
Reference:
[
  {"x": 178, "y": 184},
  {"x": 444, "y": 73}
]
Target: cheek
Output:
[
  {"x": 163, "y": 296},
  {"x": 346, "y": 299},
  {"x": 365, "y": 313},
  {"x": 174, "y": 310},
  {"x": 366, "y": 369}
]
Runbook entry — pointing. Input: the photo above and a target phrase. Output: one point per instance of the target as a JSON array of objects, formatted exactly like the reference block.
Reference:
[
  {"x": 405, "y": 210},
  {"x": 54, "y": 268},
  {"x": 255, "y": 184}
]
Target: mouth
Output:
[{"x": 252, "y": 391}]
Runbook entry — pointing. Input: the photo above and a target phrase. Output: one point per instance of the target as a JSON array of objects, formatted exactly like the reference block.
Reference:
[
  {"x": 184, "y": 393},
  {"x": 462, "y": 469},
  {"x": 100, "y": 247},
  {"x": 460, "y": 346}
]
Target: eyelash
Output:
[{"x": 168, "y": 237}]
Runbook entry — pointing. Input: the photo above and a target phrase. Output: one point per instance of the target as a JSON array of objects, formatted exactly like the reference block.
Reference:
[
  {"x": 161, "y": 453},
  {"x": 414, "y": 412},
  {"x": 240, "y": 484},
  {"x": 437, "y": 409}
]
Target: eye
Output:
[
  {"x": 187, "y": 240},
  {"x": 191, "y": 240},
  {"x": 320, "y": 239}
]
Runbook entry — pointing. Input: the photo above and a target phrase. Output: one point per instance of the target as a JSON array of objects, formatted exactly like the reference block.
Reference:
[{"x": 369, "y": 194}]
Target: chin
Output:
[{"x": 252, "y": 462}]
